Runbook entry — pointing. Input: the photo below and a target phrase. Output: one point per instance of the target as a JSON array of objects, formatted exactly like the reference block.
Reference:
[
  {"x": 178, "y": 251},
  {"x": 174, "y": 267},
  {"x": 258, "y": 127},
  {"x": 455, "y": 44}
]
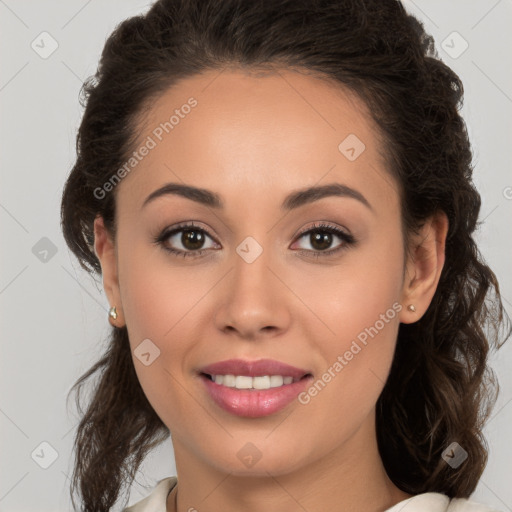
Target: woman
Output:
[{"x": 278, "y": 196}]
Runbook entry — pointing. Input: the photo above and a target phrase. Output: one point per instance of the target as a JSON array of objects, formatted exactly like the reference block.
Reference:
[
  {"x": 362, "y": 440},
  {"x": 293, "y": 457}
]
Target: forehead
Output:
[{"x": 263, "y": 135}]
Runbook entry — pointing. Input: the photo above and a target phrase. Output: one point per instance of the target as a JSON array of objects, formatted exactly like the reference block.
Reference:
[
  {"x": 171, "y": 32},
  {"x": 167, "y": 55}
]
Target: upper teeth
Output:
[{"x": 247, "y": 382}]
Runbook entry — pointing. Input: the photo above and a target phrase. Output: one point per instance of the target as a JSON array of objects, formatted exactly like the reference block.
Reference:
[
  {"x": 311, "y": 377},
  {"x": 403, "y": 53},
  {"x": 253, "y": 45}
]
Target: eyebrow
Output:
[{"x": 294, "y": 200}]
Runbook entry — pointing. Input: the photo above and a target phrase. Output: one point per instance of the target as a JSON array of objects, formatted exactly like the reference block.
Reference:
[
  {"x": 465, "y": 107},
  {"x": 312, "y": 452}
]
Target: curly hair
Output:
[{"x": 440, "y": 387}]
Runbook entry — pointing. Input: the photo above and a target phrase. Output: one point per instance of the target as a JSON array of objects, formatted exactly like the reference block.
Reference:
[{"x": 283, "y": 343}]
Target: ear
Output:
[
  {"x": 424, "y": 266},
  {"x": 104, "y": 248}
]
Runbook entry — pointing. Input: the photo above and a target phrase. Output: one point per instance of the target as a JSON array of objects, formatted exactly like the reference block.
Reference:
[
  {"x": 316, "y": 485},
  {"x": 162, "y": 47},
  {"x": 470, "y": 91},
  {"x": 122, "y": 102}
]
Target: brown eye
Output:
[
  {"x": 192, "y": 239},
  {"x": 320, "y": 241},
  {"x": 321, "y": 237},
  {"x": 186, "y": 240}
]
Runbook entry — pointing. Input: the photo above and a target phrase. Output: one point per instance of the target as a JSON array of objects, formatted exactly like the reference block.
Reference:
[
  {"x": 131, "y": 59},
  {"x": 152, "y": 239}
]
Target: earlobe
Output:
[
  {"x": 104, "y": 248},
  {"x": 424, "y": 267}
]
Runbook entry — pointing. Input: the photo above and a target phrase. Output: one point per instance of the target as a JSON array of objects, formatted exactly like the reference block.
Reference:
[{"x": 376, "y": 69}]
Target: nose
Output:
[{"x": 252, "y": 301}]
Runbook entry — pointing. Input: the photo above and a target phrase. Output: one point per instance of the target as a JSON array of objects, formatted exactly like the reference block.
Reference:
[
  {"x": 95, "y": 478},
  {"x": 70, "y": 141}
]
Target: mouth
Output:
[
  {"x": 260, "y": 374},
  {"x": 253, "y": 383},
  {"x": 254, "y": 396}
]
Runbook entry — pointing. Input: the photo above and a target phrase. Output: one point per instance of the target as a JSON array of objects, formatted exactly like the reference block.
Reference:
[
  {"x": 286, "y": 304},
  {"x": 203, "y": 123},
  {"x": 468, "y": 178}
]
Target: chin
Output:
[{"x": 249, "y": 461}]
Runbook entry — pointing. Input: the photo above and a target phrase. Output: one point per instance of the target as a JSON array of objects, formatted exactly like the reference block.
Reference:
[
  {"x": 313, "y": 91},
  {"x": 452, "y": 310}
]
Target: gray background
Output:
[{"x": 54, "y": 316}]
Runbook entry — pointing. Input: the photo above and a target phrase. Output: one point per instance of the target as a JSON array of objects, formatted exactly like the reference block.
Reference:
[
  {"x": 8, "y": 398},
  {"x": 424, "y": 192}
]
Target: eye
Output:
[
  {"x": 321, "y": 236},
  {"x": 192, "y": 240},
  {"x": 189, "y": 236}
]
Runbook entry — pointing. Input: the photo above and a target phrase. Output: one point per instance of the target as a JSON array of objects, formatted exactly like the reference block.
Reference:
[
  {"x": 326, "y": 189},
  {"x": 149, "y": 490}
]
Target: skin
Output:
[{"x": 252, "y": 140}]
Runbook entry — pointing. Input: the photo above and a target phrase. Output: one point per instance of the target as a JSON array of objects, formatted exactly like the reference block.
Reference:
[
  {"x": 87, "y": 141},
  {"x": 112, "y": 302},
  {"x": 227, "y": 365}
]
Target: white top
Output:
[{"x": 427, "y": 502}]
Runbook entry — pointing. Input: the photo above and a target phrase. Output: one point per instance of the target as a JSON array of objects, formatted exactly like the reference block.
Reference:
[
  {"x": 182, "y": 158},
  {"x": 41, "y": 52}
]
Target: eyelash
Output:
[{"x": 348, "y": 240}]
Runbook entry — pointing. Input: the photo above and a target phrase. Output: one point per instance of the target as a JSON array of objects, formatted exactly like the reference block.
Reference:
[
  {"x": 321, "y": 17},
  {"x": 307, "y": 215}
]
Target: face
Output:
[{"x": 316, "y": 283}]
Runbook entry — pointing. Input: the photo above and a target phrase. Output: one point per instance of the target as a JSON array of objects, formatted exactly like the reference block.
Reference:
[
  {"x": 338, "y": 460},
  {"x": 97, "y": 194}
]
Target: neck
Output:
[{"x": 349, "y": 478}]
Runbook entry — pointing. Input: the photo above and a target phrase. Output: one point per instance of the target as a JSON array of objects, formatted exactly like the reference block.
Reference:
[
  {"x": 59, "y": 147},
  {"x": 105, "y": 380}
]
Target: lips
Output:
[
  {"x": 254, "y": 368},
  {"x": 254, "y": 403}
]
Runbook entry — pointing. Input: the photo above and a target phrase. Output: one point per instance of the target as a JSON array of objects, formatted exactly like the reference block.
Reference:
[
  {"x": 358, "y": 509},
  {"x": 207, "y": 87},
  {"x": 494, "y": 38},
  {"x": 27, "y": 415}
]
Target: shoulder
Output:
[
  {"x": 437, "y": 502},
  {"x": 156, "y": 500},
  {"x": 465, "y": 505}
]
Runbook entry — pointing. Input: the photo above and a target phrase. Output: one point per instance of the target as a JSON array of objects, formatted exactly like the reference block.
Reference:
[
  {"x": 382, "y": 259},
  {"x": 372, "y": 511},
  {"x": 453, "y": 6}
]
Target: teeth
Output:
[{"x": 247, "y": 382}]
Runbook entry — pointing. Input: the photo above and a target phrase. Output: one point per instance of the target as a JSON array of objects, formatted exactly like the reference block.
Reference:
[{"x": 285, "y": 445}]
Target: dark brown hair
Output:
[{"x": 440, "y": 388}]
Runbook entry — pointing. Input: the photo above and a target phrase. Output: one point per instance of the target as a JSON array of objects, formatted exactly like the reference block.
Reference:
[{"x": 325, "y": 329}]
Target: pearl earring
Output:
[{"x": 411, "y": 307}]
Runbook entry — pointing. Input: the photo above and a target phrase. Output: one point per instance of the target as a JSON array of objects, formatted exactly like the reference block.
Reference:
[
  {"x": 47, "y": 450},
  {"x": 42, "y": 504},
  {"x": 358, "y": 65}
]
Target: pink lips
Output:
[
  {"x": 253, "y": 368},
  {"x": 254, "y": 403}
]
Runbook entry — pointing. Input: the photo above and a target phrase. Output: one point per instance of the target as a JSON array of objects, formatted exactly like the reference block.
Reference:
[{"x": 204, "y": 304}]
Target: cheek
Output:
[
  {"x": 157, "y": 300},
  {"x": 359, "y": 303},
  {"x": 354, "y": 364},
  {"x": 154, "y": 299},
  {"x": 155, "y": 293},
  {"x": 351, "y": 296},
  {"x": 339, "y": 314}
]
